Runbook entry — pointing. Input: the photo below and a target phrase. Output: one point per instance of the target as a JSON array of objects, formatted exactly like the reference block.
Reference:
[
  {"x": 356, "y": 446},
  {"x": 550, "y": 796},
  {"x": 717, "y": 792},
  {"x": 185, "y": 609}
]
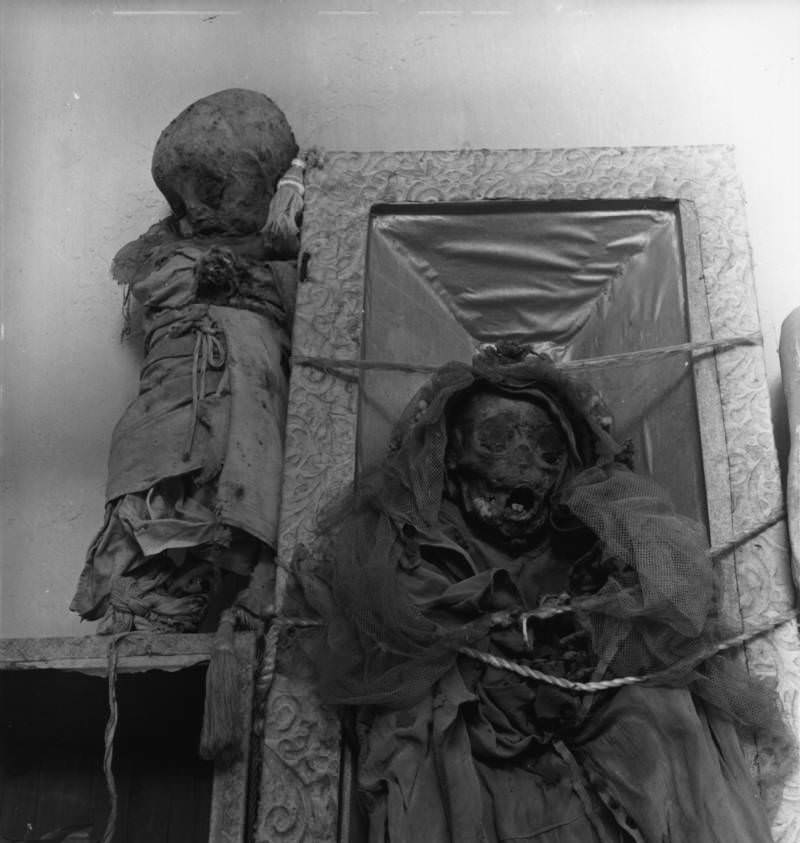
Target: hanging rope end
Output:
[{"x": 221, "y": 737}]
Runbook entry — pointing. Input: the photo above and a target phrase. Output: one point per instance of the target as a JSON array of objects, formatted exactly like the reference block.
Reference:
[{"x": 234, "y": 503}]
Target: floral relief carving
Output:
[{"x": 299, "y": 786}]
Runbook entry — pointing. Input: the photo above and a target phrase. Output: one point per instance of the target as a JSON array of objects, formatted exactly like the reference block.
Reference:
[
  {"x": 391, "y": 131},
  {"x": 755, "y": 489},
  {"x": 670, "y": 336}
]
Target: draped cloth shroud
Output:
[
  {"x": 472, "y": 761},
  {"x": 196, "y": 459},
  {"x": 451, "y": 749}
]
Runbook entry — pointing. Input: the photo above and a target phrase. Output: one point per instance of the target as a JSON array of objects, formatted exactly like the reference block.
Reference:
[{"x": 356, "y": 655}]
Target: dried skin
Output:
[
  {"x": 219, "y": 160},
  {"x": 506, "y": 458}
]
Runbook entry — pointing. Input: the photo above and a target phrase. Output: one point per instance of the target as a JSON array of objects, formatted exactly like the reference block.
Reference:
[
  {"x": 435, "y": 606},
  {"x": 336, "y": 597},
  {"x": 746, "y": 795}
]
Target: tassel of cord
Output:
[
  {"x": 221, "y": 737},
  {"x": 282, "y": 230}
]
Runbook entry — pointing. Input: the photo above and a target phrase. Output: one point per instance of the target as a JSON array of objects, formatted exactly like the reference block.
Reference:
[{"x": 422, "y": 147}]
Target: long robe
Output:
[
  {"x": 488, "y": 756},
  {"x": 196, "y": 460},
  {"x": 454, "y": 750}
]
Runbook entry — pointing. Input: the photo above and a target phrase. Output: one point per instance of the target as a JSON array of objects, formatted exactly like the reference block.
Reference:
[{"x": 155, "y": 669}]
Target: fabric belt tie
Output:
[{"x": 209, "y": 352}]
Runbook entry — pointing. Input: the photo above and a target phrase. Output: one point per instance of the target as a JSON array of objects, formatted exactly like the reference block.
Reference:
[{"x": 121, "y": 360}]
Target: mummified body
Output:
[
  {"x": 196, "y": 460},
  {"x": 505, "y": 493}
]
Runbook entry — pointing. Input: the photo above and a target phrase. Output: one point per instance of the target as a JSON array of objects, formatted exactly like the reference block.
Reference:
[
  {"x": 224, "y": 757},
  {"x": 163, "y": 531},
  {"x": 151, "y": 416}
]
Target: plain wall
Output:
[{"x": 86, "y": 87}]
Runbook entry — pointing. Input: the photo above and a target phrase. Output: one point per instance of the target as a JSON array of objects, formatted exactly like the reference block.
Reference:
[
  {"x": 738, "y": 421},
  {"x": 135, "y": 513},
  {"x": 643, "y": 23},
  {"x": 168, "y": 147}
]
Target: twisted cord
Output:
[
  {"x": 208, "y": 351},
  {"x": 506, "y": 619},
  {"x": 774, "y": 517},
  {"x": 336, "y": 366},
  {"x": 543, "y": 613},
  {"x": 111, "y": 729},
  {"x": 265, "y": 679},
  {"x": 267, "y": 673},
  {"x": 753, "y": 338},
  {"x": 606, "y": 684}
]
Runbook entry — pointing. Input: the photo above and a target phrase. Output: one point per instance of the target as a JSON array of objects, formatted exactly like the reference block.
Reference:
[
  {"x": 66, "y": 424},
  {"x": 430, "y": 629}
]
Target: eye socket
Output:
[
  {"x": 494, "y": 435},
  {"x": 550, "y": 438},
  {"x": 552, "y": 457},
  {"x": 210, "y": 189}
]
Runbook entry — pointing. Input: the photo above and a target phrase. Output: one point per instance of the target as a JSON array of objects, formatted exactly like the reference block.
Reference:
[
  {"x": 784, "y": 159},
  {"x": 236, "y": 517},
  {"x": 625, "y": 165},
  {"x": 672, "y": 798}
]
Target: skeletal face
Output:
[
  {"x": 228, "y": 196},
  {"x": 505, "y": 458},
  {"x": 218, "y": 161}
]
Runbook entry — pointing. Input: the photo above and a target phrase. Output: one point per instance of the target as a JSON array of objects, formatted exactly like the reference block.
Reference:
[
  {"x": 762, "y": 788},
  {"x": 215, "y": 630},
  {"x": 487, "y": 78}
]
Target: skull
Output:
[
  {"x": 218, "y": 162},
  {"x": 505, "y": 458}
]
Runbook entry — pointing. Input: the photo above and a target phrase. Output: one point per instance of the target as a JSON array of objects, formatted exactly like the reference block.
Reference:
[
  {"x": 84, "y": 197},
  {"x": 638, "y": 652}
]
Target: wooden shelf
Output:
[
  {"x": 89, "y": 654},
  {"x": 52, "y": 722}
]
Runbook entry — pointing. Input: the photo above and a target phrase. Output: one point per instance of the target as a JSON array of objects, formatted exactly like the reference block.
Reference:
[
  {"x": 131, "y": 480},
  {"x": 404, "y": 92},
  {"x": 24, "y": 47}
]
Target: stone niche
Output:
[{"x": 657, "y": 240}]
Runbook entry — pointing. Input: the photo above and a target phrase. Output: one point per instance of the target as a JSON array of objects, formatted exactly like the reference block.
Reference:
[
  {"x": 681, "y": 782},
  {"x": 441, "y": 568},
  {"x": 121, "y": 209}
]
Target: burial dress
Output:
[
  {"x": 453, "y": 749},
  {"x": 196, "y": 459}
]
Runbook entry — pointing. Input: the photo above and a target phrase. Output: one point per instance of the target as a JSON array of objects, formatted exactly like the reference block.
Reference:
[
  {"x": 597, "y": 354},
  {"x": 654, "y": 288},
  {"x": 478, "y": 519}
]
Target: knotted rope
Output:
[{"x": 209, "y": 352}]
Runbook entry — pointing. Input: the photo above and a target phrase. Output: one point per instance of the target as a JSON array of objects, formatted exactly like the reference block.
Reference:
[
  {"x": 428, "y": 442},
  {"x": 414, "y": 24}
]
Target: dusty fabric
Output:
[
  {"x": 196, "y": 459},
  {"x": 454, "y": 750},
  {"x": 651, "y": 765}
]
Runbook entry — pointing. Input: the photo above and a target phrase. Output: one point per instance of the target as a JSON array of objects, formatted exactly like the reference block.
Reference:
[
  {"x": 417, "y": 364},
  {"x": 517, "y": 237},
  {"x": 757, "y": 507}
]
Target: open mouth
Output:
[{"x": 520, "y": 503}]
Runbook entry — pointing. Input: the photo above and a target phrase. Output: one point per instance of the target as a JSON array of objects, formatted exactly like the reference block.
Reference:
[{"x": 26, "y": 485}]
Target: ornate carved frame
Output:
[{"x": 299, "y": 792}]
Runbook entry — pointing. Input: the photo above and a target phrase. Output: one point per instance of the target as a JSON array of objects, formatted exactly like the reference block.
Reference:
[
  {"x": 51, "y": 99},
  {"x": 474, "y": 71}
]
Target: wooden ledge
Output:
[{"x": 138, "y": 651}]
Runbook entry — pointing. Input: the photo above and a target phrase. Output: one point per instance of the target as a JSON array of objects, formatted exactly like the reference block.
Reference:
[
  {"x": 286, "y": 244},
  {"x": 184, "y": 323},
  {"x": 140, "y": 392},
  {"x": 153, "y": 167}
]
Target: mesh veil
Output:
[{"x": 659, "y": 609}]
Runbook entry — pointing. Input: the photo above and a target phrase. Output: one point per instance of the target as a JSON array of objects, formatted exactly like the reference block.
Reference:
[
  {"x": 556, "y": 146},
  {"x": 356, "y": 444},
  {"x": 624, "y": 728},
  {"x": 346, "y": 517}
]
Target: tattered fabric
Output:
[
  {"x": 451, "y": 749},
  {"x": 196, "y": 459}
]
